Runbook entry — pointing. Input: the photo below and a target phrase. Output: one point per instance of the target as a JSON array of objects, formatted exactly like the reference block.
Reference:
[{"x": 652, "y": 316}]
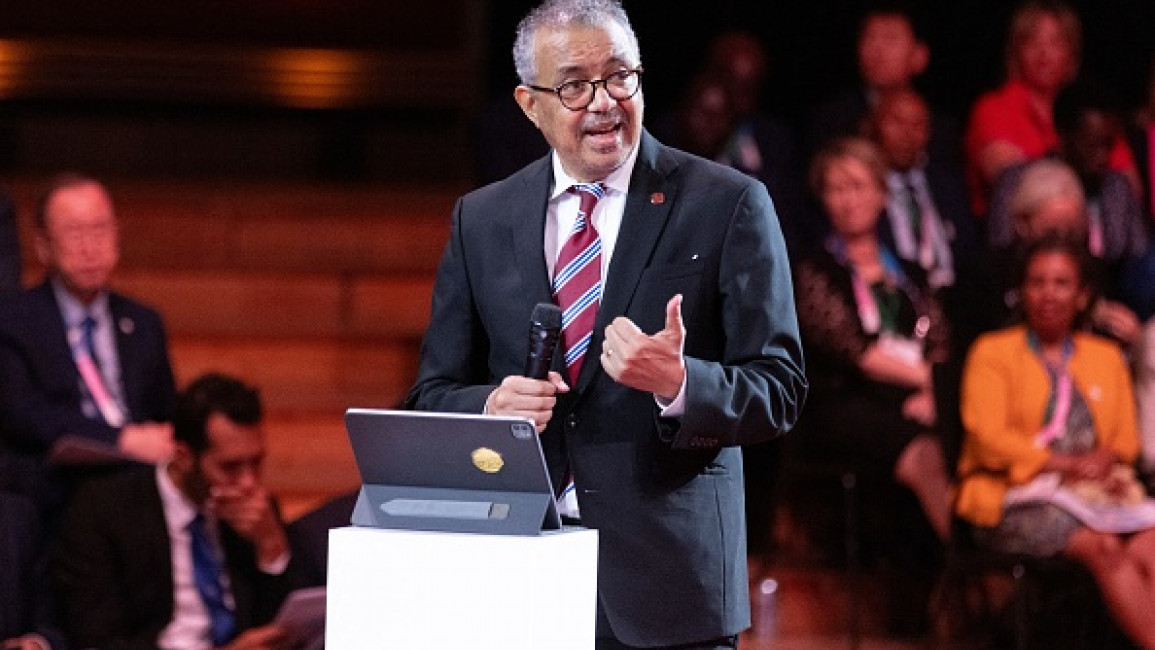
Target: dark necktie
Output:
[
  {"x": 577, "y": 282},
  {"x": 89, "y": 327},
  {"x": 207, "y": 571},
  {"x": 914, "y": 212}
]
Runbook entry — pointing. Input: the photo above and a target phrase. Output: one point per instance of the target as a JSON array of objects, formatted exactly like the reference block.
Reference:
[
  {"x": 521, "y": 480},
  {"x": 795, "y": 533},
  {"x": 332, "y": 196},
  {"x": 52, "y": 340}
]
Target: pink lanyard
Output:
[
  {"x": 867, "y": 307},
  {"x": 1059, "y": 405},
  {"x": 1095, "y": 228},
  {"x": 868, "y": 313},
  {"x": 90, "y": 374}
]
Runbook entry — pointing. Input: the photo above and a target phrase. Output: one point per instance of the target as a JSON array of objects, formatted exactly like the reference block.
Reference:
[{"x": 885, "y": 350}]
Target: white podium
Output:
[{"x": 411, "y": 589}]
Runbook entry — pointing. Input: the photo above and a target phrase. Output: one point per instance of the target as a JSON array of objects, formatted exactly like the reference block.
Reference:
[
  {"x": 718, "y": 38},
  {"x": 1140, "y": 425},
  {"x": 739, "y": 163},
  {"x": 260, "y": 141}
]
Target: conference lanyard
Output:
[{"x": 1059, "y": 402}]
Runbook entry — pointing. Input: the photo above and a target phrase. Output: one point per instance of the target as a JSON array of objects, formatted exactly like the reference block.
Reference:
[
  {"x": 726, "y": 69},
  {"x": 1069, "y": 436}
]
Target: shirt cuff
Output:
[
  {"x": 277, "y": 566},
  {"x": 676, "y": 407}
]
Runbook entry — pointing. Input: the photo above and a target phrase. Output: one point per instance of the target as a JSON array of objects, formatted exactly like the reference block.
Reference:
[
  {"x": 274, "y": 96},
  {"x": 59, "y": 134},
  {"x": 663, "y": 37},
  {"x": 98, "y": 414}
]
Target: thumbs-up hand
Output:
[{"x": 651, "y": 363}]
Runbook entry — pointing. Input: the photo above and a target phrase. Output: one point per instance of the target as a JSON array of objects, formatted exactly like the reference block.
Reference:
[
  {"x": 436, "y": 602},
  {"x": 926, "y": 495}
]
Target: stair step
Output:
[
  {"x": 305, "y": 375},
  {"x": 283, "y": 304}
]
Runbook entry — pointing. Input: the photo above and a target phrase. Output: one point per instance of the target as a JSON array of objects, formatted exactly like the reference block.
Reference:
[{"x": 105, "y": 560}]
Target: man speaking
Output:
[{"x": 679, "y": 340}]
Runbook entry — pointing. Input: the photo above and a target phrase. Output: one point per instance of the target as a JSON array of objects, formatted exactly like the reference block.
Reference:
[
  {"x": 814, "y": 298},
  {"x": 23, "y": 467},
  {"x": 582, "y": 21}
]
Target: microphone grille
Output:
[{"x": 547, "y": 314}]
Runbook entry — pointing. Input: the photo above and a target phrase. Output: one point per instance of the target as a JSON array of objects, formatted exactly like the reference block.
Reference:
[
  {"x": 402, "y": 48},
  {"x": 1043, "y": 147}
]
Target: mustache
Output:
[{"x": 604, "y": 121}]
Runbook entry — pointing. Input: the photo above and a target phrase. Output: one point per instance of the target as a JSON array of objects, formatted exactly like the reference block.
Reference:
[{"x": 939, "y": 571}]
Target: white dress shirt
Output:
[
  {"x": 932, "y": 252},
  {"x": 190, "y": 627}
]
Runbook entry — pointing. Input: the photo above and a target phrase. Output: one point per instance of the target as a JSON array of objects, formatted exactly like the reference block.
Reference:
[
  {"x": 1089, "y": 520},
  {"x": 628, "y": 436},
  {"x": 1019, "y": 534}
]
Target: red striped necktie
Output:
[{"x": 577, "y": 282}]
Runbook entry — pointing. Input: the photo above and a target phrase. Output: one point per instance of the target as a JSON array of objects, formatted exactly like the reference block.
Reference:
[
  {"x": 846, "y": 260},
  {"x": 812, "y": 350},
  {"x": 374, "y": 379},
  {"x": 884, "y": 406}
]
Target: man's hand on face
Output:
[{"x": 249, "y": 511}]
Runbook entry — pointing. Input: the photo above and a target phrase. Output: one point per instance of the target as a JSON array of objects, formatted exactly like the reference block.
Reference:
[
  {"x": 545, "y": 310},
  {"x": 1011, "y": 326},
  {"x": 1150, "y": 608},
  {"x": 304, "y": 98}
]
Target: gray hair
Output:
[
  {"x": 558, "y": 14},
  {"x": 1042, "y": 181}
]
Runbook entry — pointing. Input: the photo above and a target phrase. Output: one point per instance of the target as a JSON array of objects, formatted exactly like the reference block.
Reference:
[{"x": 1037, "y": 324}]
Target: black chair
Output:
[
  {"x": 833, "y": 494},
  {"x": 1045, "y": 602},
  {"x": 309, "y": 535},
  {"x": 846, "y": 479}
]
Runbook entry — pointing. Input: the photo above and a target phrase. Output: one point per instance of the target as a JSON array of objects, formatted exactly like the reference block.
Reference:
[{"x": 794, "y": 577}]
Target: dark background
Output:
[
  {"x": 811, "y": 45},
  {"x": 208, "y": 105}
]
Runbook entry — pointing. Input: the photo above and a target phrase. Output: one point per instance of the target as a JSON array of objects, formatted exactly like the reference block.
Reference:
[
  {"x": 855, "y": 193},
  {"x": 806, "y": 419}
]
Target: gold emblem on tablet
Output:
[{"x": 487, "y": 460}]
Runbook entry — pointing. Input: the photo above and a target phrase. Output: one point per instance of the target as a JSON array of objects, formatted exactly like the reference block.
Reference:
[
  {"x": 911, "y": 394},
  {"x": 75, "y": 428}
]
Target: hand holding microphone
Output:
[
  {"x": 544, "y": 333},
  {"x": 533, "y": 395}
]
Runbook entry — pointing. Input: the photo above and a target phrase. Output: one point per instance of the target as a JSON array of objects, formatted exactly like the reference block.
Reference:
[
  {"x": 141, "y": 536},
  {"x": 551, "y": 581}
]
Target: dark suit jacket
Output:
[
  {"x": 112, "y": 567},
  {"x": 24, "y": 604},
  {"x": 40, "y": 399},
  {"x": 666, "y": 495}
]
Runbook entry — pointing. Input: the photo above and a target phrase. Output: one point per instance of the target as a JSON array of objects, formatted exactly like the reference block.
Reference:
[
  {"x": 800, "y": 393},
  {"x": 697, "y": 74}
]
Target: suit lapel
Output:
[
  {"x": 123, "y": 329},
  {"x": 525, "y": 227},
  {"x": 56, "y": 336},
  {"x": 652, "y": 194}
]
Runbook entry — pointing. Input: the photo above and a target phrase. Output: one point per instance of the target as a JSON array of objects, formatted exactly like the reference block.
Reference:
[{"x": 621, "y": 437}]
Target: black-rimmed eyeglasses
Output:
[{"x": 576, "y": 95}]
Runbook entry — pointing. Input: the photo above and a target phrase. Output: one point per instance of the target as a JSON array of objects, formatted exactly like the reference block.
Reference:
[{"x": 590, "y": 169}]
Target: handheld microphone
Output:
[{"x": 544, "y": 332}]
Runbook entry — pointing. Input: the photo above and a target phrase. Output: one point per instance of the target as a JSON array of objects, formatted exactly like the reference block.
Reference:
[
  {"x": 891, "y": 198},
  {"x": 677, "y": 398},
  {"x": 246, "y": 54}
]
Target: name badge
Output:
[{"x": 901, "y": 348}]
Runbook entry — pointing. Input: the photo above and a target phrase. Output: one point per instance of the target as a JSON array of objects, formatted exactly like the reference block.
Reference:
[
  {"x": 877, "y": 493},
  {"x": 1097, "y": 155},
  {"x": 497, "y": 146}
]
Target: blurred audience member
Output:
[
  {"x": 9, "y": 246},
  {"x": 719, "y": 117},
  {"x": 1137, "y": 285},
  {"x": 1049, "y": 200},
  {"x": 189, "y": 554},
  {"x": 758, "y": 145},
  {"x": 704, "y": 119},
  {"x": 77, "y": 359},
  {"x": 25, "y": 611},
  {"x": 1089, "y": 128},
  {"x": 1141, "y": 137},
  {"x": 1145, "y": 395},
  {"x": 872, "y": 332},
  {"x": 891, "y": 55},
  {"x": 1047, "y": 405},
  {"x": 1139, "y": 280},
  {"x": 928, "y": 221},
  {"x": 1014, "y": 123}
]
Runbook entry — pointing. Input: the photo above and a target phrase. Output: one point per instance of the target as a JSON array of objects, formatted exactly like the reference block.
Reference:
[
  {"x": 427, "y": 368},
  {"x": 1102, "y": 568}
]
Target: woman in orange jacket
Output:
[{"x": 1045, "y": 403}]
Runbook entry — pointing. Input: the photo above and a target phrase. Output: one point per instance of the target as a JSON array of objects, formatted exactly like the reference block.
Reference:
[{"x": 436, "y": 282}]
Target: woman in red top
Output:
[{"x": 1014, "y": 123}]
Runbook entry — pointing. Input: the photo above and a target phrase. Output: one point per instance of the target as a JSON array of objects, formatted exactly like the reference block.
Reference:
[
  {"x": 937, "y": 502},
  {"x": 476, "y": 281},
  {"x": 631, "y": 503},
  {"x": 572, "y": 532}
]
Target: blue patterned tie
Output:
[{"x": 207, "y": 571}]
